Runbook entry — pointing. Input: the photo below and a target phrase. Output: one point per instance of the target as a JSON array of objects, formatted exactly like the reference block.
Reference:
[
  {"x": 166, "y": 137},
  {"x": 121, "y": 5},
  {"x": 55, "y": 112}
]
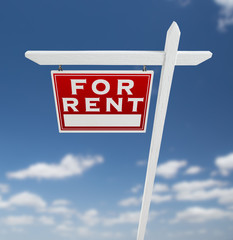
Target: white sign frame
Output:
[
  {"x": 168, "y": 59},
  {"x": 105, "y": 72}
]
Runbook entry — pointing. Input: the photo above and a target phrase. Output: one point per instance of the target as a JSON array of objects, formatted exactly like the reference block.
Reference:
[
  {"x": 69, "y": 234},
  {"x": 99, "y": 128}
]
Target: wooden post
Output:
[{"x": 171, "y": 47}]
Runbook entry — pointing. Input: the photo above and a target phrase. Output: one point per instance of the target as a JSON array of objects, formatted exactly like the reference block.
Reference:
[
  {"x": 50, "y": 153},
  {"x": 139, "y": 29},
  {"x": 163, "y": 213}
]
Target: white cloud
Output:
[
  {"x": 4, "y": 188},
  {"x": 132, "y": 201},
  {"x": 46, "y": 220},
  {"x": 18, "y": 220},
  {"x": 24, "y": 199},
  {"x": 160, "y": 187},
  {"x": 66, "y": 226},
  {"x": 90, "y": 217},
  {"x": 224, "y": 196},
  {"x": 160, "y": 198},
  {"x": 226, "y": 13},
  {"x": 225, "y": 164},
  {"x": 200, "y": 215},
  {"x": 170, "y": 168},
  {"x": 127, "y": 217},
  {"x": 193, "y": 170},
  {"x": 204, "y": 190},
  {"x": 197, "y": 185},
  {"x": 214, "y": 173},
  {"x": 69, "y": 166},
  {"x": 60, "y": 202},
  {"x": 17, "y": 229},
  {"x": 111, "y": 235},
  {"x": 184, "y": 3},
  {"x": 60, "y": 210},
  {"x": 89, "y": 233},
  {"x": 136, "y": 188},
  {"x": 84, "y": 231},
  {"x": 187, "y": 234},
  {"x": 141, "y": 163}
]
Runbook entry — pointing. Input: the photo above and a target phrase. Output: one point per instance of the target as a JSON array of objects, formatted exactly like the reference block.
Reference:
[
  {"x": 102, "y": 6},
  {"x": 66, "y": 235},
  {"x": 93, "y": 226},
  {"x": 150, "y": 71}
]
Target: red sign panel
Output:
[{"x": 106, "y": 101}]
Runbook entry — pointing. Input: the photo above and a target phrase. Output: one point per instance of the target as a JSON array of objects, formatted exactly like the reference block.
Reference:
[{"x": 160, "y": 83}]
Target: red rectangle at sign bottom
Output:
[{"x": 106, "y": 101}]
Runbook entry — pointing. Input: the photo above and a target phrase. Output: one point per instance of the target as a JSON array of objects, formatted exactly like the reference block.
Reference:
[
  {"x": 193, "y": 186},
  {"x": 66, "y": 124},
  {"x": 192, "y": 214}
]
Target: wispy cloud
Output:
[
  {"x": 68, "y": 230},
  {"x": 65, "y": 227},
  {"x": 186, "y": 191},
  {"x": 69, "y": 166},
  {"x": 225, "y": 18},
  {"x": 126, "y": 217},
  {"x": 84, "y": 231},
  {"x": 161, "y": 187},
  {"x": 203, "y": 191},
  {"x": 4, "y": 188},
  {"x": 226, "y": 14},
  {"x": 90, "y": 217},
  {"x": 170, "y": 168},
  {"x": 131, "y": 201},
  {"x": 193, "y": 170},
  {"x": 60, "y": 210},
  {"x": 21, "y": 220},
  {"x": 24, "y": 199},
  {"x": 156, "y": 198},
  {"x": 18, "y": 220},
  {"x": 45, "y": 220},
  {"x": 130, "y": 217},
  {"x": 197, "y": 185},
  {"x": 141, "y": 163},
  {"x": 200, "y": 215},
  {"x": 223, "y": 195},
  {"x": 183, "y": 3},
  {"x": 136, "y": 188},
  {"x": 60, "y": 202}
]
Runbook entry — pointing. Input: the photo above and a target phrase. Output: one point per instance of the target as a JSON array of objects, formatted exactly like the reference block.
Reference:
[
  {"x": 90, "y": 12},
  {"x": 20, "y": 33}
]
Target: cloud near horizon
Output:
[
  {"x": 204, "y": 190},
  {"x": 4, "y": 188},
  {"x": 198, "y": 214},
  {"x": 24, "y": 199},
  {"x": 22, "y": 220},
  {"x": 69, "y": 166}
]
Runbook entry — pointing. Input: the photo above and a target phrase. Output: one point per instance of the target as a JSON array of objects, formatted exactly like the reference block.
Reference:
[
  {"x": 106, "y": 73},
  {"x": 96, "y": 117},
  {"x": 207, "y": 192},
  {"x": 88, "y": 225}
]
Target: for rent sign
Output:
[{"x": 93, "y": 101}]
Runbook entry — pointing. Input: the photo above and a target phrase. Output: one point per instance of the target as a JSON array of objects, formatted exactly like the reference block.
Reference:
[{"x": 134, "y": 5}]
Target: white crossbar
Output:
[{"x": 148, "y": 58}]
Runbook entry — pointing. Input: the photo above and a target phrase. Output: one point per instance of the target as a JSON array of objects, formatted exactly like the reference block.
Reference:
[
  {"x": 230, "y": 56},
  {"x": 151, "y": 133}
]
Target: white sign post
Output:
[
  {"x": 168, "y": 59},
  {"x": 171, "y": 47}
]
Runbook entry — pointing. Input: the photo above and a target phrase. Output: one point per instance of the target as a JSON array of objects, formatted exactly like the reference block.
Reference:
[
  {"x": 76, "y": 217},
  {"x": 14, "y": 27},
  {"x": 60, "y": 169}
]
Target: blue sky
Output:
[{"x": 45, "y": 189}]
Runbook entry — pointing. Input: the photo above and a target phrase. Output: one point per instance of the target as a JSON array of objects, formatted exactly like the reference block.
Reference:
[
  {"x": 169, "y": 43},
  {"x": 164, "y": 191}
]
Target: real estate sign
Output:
[{"x": 102, "y": 101}]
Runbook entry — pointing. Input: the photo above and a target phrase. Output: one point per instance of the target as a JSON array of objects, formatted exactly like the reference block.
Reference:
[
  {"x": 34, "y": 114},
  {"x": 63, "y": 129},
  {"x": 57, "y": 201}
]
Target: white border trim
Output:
[
  {"x": 104, "y": 72},
  {"x": 102, "y": 120}
]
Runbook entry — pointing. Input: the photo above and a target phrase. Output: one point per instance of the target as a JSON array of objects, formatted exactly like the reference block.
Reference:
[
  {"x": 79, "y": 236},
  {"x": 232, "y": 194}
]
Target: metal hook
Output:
[
  {"x": 144, "y": 68},
  {"x": 60, "y": 68}
]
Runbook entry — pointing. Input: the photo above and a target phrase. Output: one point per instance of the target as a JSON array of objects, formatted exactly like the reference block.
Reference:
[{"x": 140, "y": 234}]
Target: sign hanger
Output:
[{"x": 168, "y": 59}]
